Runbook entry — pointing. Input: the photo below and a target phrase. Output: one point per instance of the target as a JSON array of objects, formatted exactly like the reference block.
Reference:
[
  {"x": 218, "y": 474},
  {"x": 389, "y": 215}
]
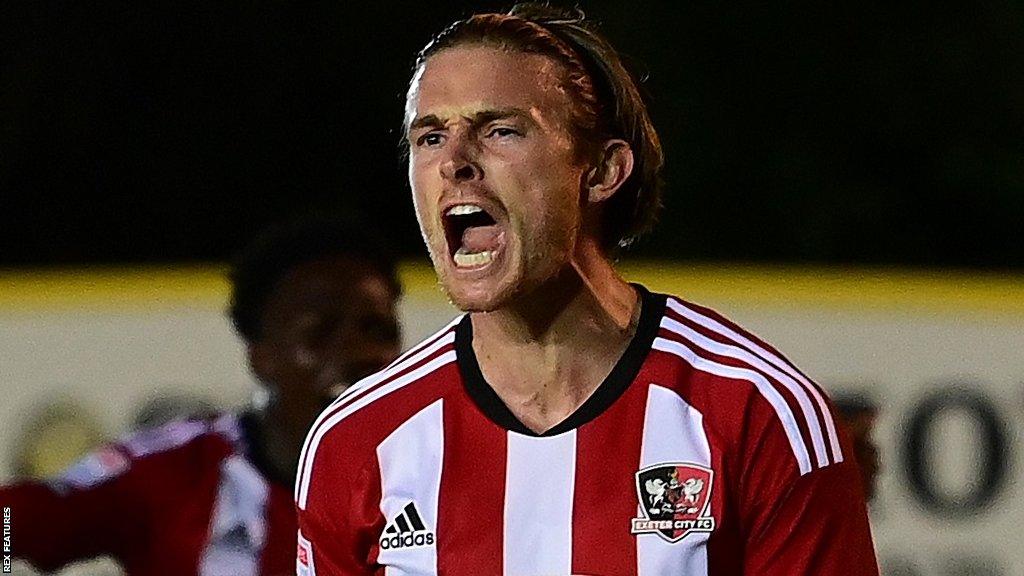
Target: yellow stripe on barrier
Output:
[
  {"x": 112, "y": 288},
  {"x": 860, "y": 288},
  {"x": 785, "y": 286}
]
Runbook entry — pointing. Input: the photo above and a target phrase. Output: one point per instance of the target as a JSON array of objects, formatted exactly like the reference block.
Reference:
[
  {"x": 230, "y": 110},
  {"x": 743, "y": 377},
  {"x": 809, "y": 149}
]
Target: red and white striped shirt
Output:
[
  {"x": 189, "y": 498},
  {"x": 704, "y": 452}
]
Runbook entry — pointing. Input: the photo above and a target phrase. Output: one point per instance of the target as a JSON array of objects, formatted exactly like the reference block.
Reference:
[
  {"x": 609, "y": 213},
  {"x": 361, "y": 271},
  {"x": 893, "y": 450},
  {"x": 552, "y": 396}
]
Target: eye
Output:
[
  {"x": 380, "y": 329},
  {"x": 502, "y": 132},
  {"x": 430, "y": 139},
  {"x": 321, "y": 329}
]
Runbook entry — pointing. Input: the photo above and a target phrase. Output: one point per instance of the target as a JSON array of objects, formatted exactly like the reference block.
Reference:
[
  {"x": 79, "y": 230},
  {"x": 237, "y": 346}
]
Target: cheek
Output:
[
  {"x": 423, "y": 189},
  {"x": 550, "y": 218},
  {"x": 557, "y": 189}
]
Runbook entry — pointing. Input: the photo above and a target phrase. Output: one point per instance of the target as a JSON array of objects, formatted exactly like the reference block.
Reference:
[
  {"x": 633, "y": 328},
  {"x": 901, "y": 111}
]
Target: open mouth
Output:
[{"x": 474, "y": 236}]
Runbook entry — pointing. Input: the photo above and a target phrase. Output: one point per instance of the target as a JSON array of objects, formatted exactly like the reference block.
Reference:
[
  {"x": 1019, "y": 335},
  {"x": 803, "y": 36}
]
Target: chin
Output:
[
  {"x": 473, "y": 290},
  {"x": 478, "y": 296},
  {"x": 487, "y": 292},
  {"x": 326, "y": 401},
  {"x": 510, "y": 281}
]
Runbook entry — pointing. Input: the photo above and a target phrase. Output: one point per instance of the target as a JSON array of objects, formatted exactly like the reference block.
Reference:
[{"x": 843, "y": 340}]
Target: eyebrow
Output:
[{"x": 477, "y": 119}]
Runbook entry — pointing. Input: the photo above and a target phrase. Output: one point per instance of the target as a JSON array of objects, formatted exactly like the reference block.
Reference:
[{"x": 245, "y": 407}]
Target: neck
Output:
[
  {"x": 280, "y": 437},
  {"x": 588, "y": 290},
  {"x": 545, "y": 354}
]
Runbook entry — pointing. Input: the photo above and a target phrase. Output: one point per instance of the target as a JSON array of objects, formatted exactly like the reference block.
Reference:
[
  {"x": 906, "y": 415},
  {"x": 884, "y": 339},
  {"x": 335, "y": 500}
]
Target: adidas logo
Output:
[{"x": 406, "y": 530}]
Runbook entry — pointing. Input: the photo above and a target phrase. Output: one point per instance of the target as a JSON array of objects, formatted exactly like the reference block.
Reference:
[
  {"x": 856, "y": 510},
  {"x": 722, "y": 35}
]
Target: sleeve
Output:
[
  {"x": 803, "y": 525},
  {"x": 85, "y": 512},
  {"x": 335, "y": 523}
]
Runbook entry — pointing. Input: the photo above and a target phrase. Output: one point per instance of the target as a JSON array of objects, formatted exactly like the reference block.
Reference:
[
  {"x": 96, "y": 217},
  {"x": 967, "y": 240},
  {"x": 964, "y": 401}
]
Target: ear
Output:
[{"x": 614, "y": 165}]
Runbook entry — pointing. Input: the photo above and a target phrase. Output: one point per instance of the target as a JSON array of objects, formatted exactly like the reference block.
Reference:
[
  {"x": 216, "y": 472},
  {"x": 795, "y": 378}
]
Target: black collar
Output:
[{"x": 614, "y": 385}]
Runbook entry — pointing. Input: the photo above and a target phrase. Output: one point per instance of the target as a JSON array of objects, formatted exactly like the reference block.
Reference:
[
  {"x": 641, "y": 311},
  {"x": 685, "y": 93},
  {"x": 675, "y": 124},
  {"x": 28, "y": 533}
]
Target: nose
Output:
[{"x": 461, "y": 165}]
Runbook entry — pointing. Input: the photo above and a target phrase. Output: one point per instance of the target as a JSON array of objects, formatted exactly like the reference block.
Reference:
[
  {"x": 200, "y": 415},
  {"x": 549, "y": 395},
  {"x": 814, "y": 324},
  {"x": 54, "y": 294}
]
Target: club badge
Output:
[{"x": 674, "y": 500}]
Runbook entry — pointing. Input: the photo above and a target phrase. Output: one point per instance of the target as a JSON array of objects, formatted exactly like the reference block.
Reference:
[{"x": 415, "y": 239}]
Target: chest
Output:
[{"x": 639, "y": 489}]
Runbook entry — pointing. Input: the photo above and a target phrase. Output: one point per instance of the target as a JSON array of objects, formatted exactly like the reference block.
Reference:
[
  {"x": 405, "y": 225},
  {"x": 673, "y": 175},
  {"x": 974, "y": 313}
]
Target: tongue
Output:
[{"x": 481, "y": 238}]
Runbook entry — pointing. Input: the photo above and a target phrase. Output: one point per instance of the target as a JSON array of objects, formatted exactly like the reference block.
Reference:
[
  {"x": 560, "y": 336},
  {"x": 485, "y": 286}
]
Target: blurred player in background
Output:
[
  {"x": 570, "y": 422},
  {"x": 314, "y": 301},
  {"x": 858, "y": 414}
]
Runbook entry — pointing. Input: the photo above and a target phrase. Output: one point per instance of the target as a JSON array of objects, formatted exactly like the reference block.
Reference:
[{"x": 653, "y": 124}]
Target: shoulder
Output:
[
  {"x": 348, "y": 432},
  {"x": 746, "y": 389},
  {"x": 182, "y": 435},
  {"x": 173, "y": 449}
]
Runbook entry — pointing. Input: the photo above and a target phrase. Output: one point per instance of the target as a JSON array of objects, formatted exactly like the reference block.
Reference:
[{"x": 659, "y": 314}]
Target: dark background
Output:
[{"x": 867, "y": 132}]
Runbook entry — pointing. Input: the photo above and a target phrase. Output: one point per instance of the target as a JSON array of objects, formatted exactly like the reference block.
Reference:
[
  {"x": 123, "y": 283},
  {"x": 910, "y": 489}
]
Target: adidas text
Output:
[{"x": 407, "y": 540}]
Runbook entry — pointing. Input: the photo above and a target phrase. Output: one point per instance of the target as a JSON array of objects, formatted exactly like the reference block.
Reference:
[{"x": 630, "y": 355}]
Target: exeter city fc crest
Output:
[{"x": 674, "y": 500}]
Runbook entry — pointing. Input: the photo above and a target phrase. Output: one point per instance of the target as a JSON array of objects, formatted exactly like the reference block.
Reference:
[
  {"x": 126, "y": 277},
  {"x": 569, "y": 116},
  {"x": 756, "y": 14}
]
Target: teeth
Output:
[
  {"x": 465, "y": 259},
  {"x": 463, "y": 209}
]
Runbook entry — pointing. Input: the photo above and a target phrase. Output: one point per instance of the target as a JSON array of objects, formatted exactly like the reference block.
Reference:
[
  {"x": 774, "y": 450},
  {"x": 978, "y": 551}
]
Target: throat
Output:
[
  {"x": 543, "y": 375},
  {"x": 547, "y": 407},
  {"x": 544, "y": 384}
]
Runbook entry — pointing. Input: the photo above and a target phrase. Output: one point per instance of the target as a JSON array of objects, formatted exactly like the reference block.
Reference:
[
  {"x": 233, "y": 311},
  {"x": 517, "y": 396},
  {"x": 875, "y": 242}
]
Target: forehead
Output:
[
  {"x": 464, "y": 80},
  {"x": 335, "y": 281}
]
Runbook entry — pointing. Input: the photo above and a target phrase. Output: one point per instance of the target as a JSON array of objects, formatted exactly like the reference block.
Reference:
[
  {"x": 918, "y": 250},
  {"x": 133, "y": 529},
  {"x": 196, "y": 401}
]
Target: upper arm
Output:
[
  {"x": 796, "y": 524},
  {"x": 336, "y": 523},
  {"x": 86, "y": 511},
  {"x": 322, "y": 541}
]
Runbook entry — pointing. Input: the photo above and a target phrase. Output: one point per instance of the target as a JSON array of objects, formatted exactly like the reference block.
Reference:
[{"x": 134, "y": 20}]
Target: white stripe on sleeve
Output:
[
  {"x": 777, "y": 361},
  {"x": 766, "y": 389},
  {"x": 715, "y": 347}
]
